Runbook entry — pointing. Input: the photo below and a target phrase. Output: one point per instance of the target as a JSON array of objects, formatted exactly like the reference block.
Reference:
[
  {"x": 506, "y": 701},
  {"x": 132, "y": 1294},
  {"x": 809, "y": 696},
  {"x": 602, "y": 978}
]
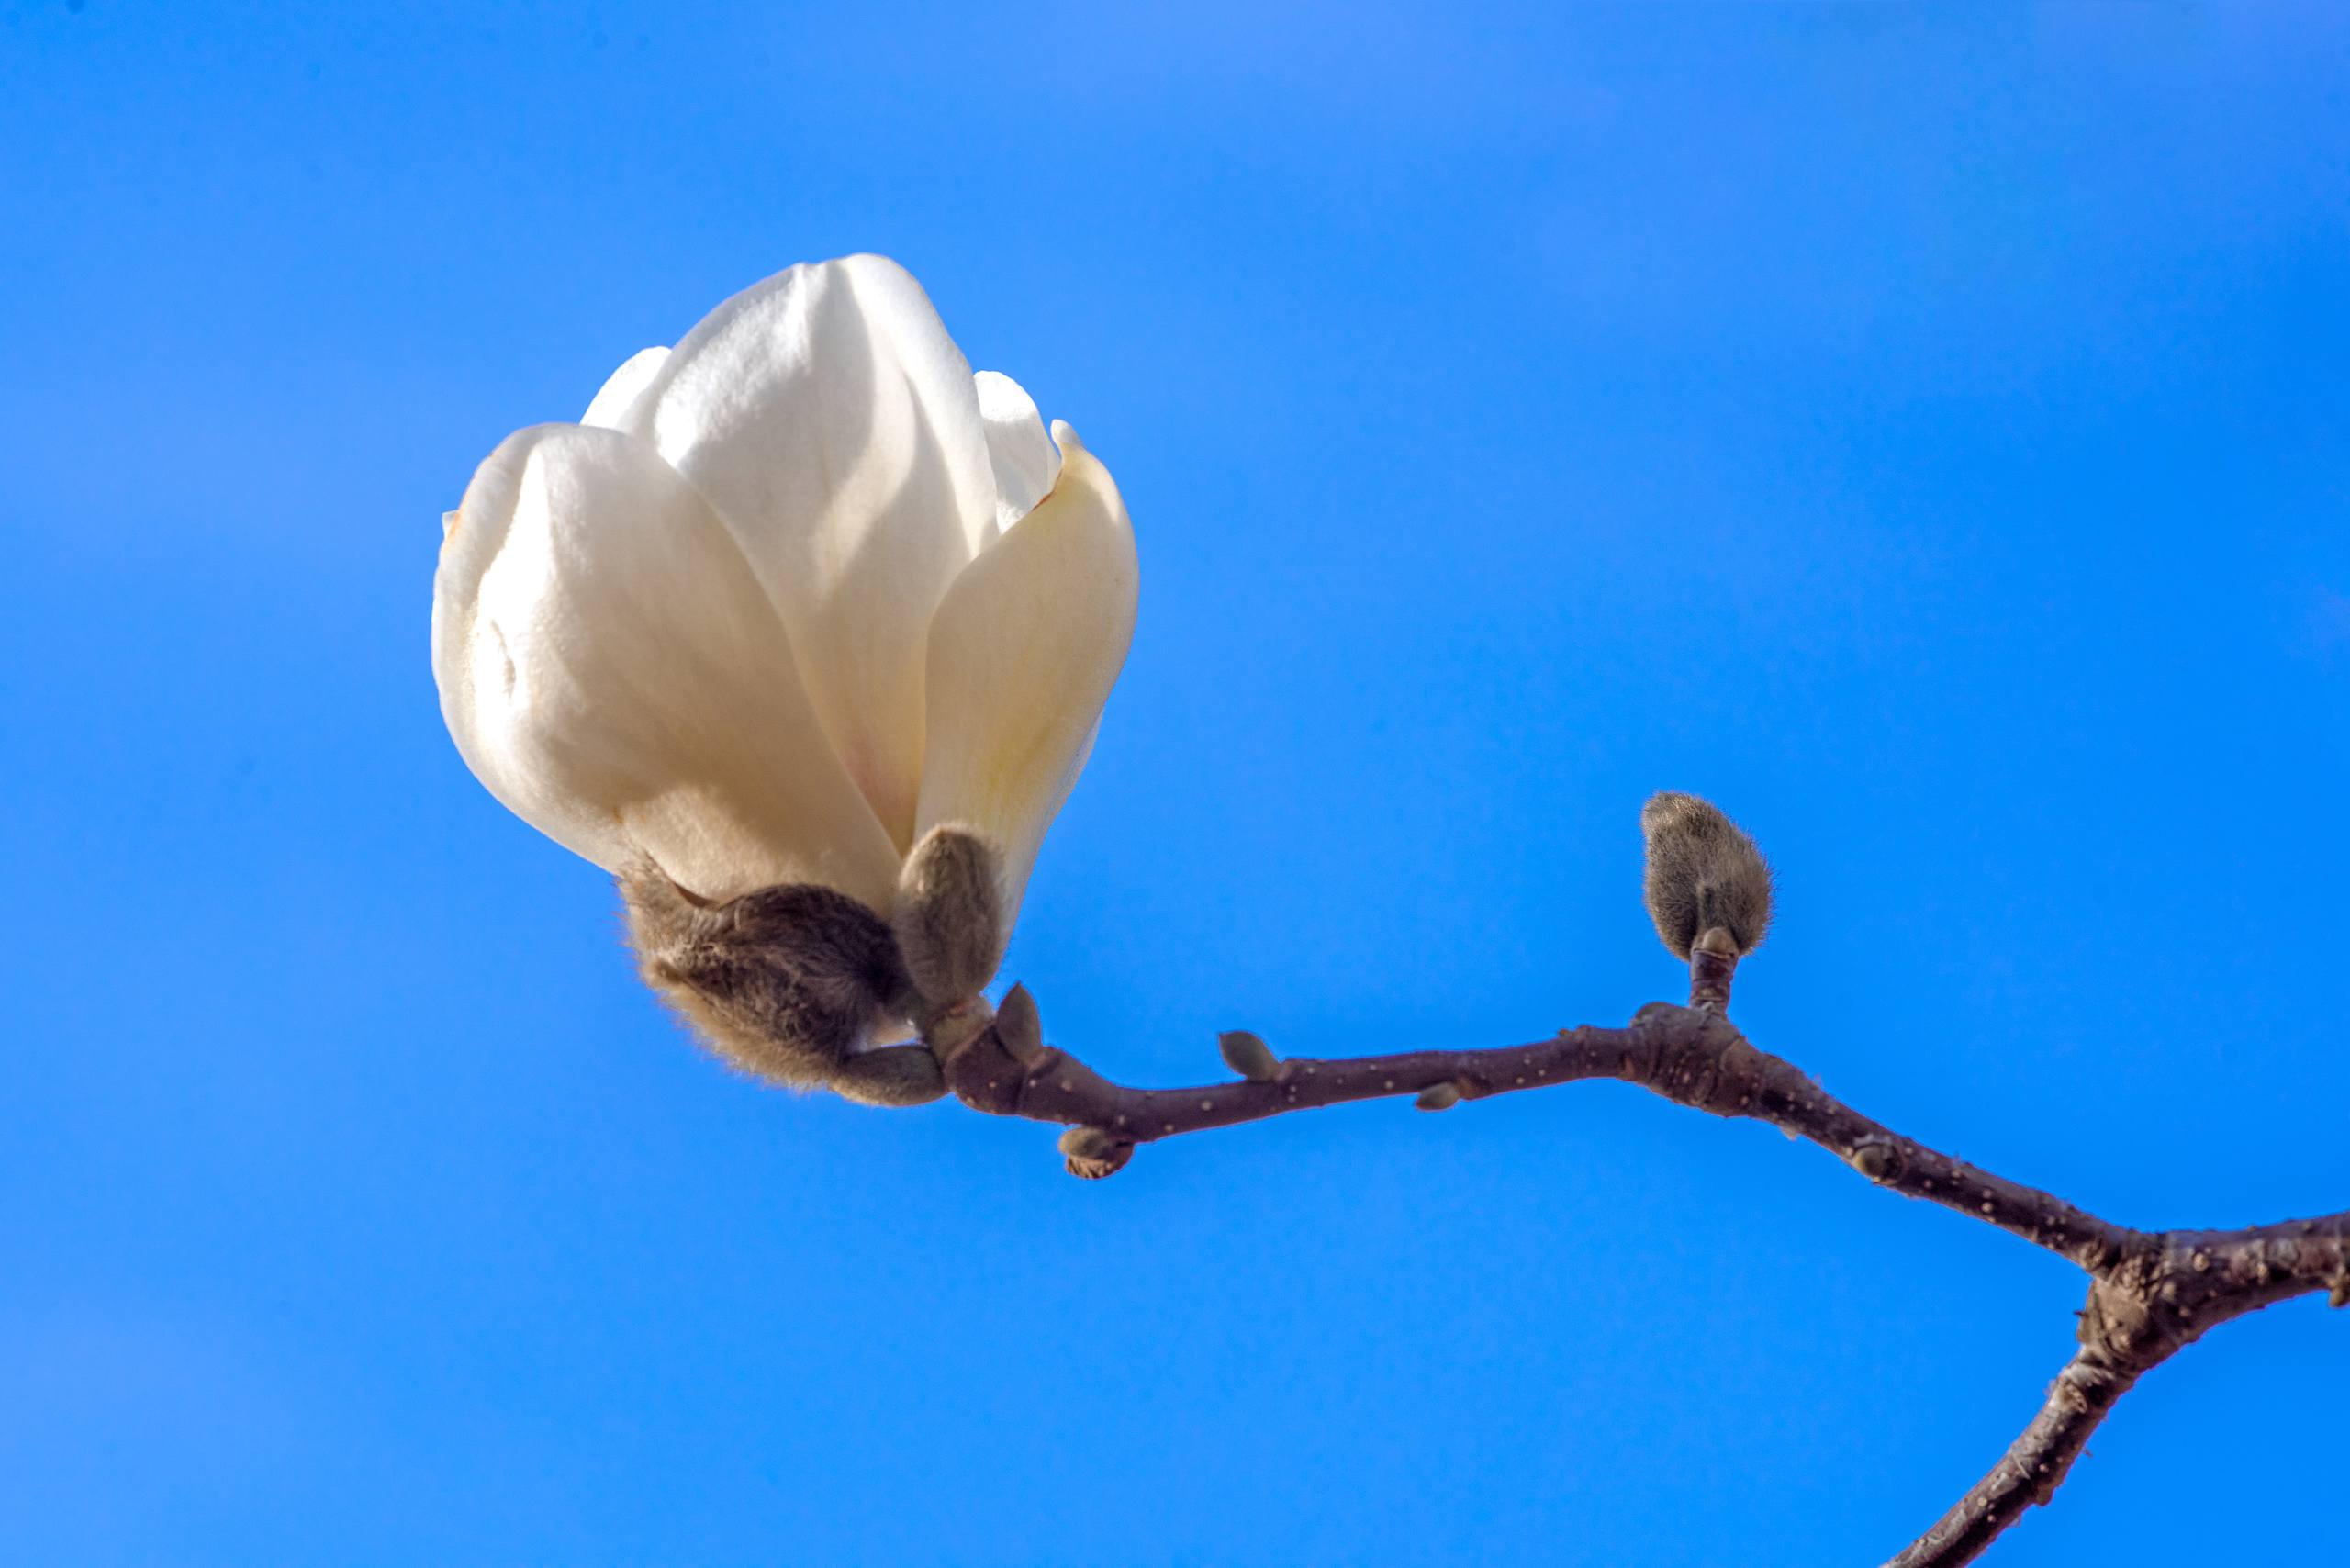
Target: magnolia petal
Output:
[
  {"x": 622, "y": 387},
  {"x": 611, "y": 670},
  {"x": 1022, "y": 655},
  {"x": 1021, "y": 452},
  {"x": 835, "y": 429}
]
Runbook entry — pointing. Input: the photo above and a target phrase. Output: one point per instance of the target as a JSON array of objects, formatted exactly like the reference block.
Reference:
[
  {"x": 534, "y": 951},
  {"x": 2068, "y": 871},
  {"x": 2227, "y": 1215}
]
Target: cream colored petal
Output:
[
  {"x": 622, "y": 387},
  {"x": 836, "y": 428},
  {"x": 611, "y": 668},
  {"x": 1021, "y": 454},
  {"x": 1022, "y": 655}
]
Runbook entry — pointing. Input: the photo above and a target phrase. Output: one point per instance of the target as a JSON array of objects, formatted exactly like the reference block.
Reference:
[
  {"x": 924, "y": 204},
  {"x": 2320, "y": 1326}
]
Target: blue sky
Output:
[{"x": 1922, "y": 431}]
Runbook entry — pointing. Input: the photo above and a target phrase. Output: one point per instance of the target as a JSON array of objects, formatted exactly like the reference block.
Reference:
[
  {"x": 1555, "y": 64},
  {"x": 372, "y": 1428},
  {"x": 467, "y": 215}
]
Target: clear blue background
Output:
[{"x": 1922, "y": 431}]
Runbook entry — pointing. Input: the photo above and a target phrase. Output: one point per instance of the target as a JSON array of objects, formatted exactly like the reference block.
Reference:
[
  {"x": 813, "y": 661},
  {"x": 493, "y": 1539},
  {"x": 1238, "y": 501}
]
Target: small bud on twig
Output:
[
  {"x": 1092, "y": 1154},
  {"x": 1438, "y": 1097},
  {"x": 1249, "y": 1056},
  {"x": 1874, "y": 1158},
  {"x": 1019, "y": 1027}
]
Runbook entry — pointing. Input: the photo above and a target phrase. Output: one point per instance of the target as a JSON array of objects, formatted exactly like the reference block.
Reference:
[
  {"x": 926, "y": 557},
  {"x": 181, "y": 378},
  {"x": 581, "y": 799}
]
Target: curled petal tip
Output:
[{"x": 611, "y": 404}]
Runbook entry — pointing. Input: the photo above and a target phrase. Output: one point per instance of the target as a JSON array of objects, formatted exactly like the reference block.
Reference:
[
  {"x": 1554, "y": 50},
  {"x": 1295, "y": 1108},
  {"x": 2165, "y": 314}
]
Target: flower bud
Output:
[{"x": 1704, "y": 872}]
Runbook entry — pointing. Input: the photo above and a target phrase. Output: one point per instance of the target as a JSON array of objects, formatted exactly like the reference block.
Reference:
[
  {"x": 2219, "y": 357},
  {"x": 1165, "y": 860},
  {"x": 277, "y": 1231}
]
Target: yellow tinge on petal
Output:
[{"x": 1023, "y": 654}]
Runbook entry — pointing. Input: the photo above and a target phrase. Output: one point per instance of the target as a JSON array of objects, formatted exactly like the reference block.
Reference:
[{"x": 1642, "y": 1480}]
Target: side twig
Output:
[{"x": 2165, "y": 1292}]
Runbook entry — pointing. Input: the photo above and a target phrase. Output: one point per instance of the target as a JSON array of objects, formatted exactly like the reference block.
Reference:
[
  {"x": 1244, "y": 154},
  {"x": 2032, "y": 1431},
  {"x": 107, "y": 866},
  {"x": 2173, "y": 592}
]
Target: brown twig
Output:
[
  {"x": 2031, "y": 1469},
  {"x": 2150, "y": 1294},
  {"x": 1695, "y": 1057},
  {"x": 1713, "y": 963}
]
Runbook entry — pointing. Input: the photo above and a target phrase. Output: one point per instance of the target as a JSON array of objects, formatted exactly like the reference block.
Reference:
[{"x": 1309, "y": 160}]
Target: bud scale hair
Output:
[
  {"x": 1703, "y": 872},
  {"x": 950, "y": 916},
  {"x": 790, "y": 984}
]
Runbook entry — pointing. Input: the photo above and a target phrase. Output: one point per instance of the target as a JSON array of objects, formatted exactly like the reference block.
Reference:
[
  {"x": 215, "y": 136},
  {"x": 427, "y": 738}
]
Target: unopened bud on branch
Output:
[
  {"x": 1249, "y": 1056},
  {"x": 1092, "y": 1154},
  {"x": 1019, "y": 1027},
  {"x": 1704, "y": 874}
]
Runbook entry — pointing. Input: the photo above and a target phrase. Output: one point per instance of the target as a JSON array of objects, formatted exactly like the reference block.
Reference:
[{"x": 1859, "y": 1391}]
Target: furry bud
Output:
[
  {"x": 1092, "y": 1154},
  {"x": 1438, "y": 1097},
  {"x": 1249, "y": 1056},
  {"x": 1704, "y": 872},
  {"x": 950, "y": 916},
  {"x": 1019, "y": 1027},
  {"x": 792, "y": 982}
]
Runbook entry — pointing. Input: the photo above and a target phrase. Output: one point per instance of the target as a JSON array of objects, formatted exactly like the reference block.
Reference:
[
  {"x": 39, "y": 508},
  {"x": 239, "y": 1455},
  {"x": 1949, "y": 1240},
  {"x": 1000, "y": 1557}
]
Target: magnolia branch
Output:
[{"x": 2150, "y": 1293}]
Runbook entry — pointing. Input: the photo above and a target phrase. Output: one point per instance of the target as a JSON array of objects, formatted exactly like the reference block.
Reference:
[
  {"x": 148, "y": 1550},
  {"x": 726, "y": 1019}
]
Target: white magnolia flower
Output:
[{"x": 788, "y": 595}]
